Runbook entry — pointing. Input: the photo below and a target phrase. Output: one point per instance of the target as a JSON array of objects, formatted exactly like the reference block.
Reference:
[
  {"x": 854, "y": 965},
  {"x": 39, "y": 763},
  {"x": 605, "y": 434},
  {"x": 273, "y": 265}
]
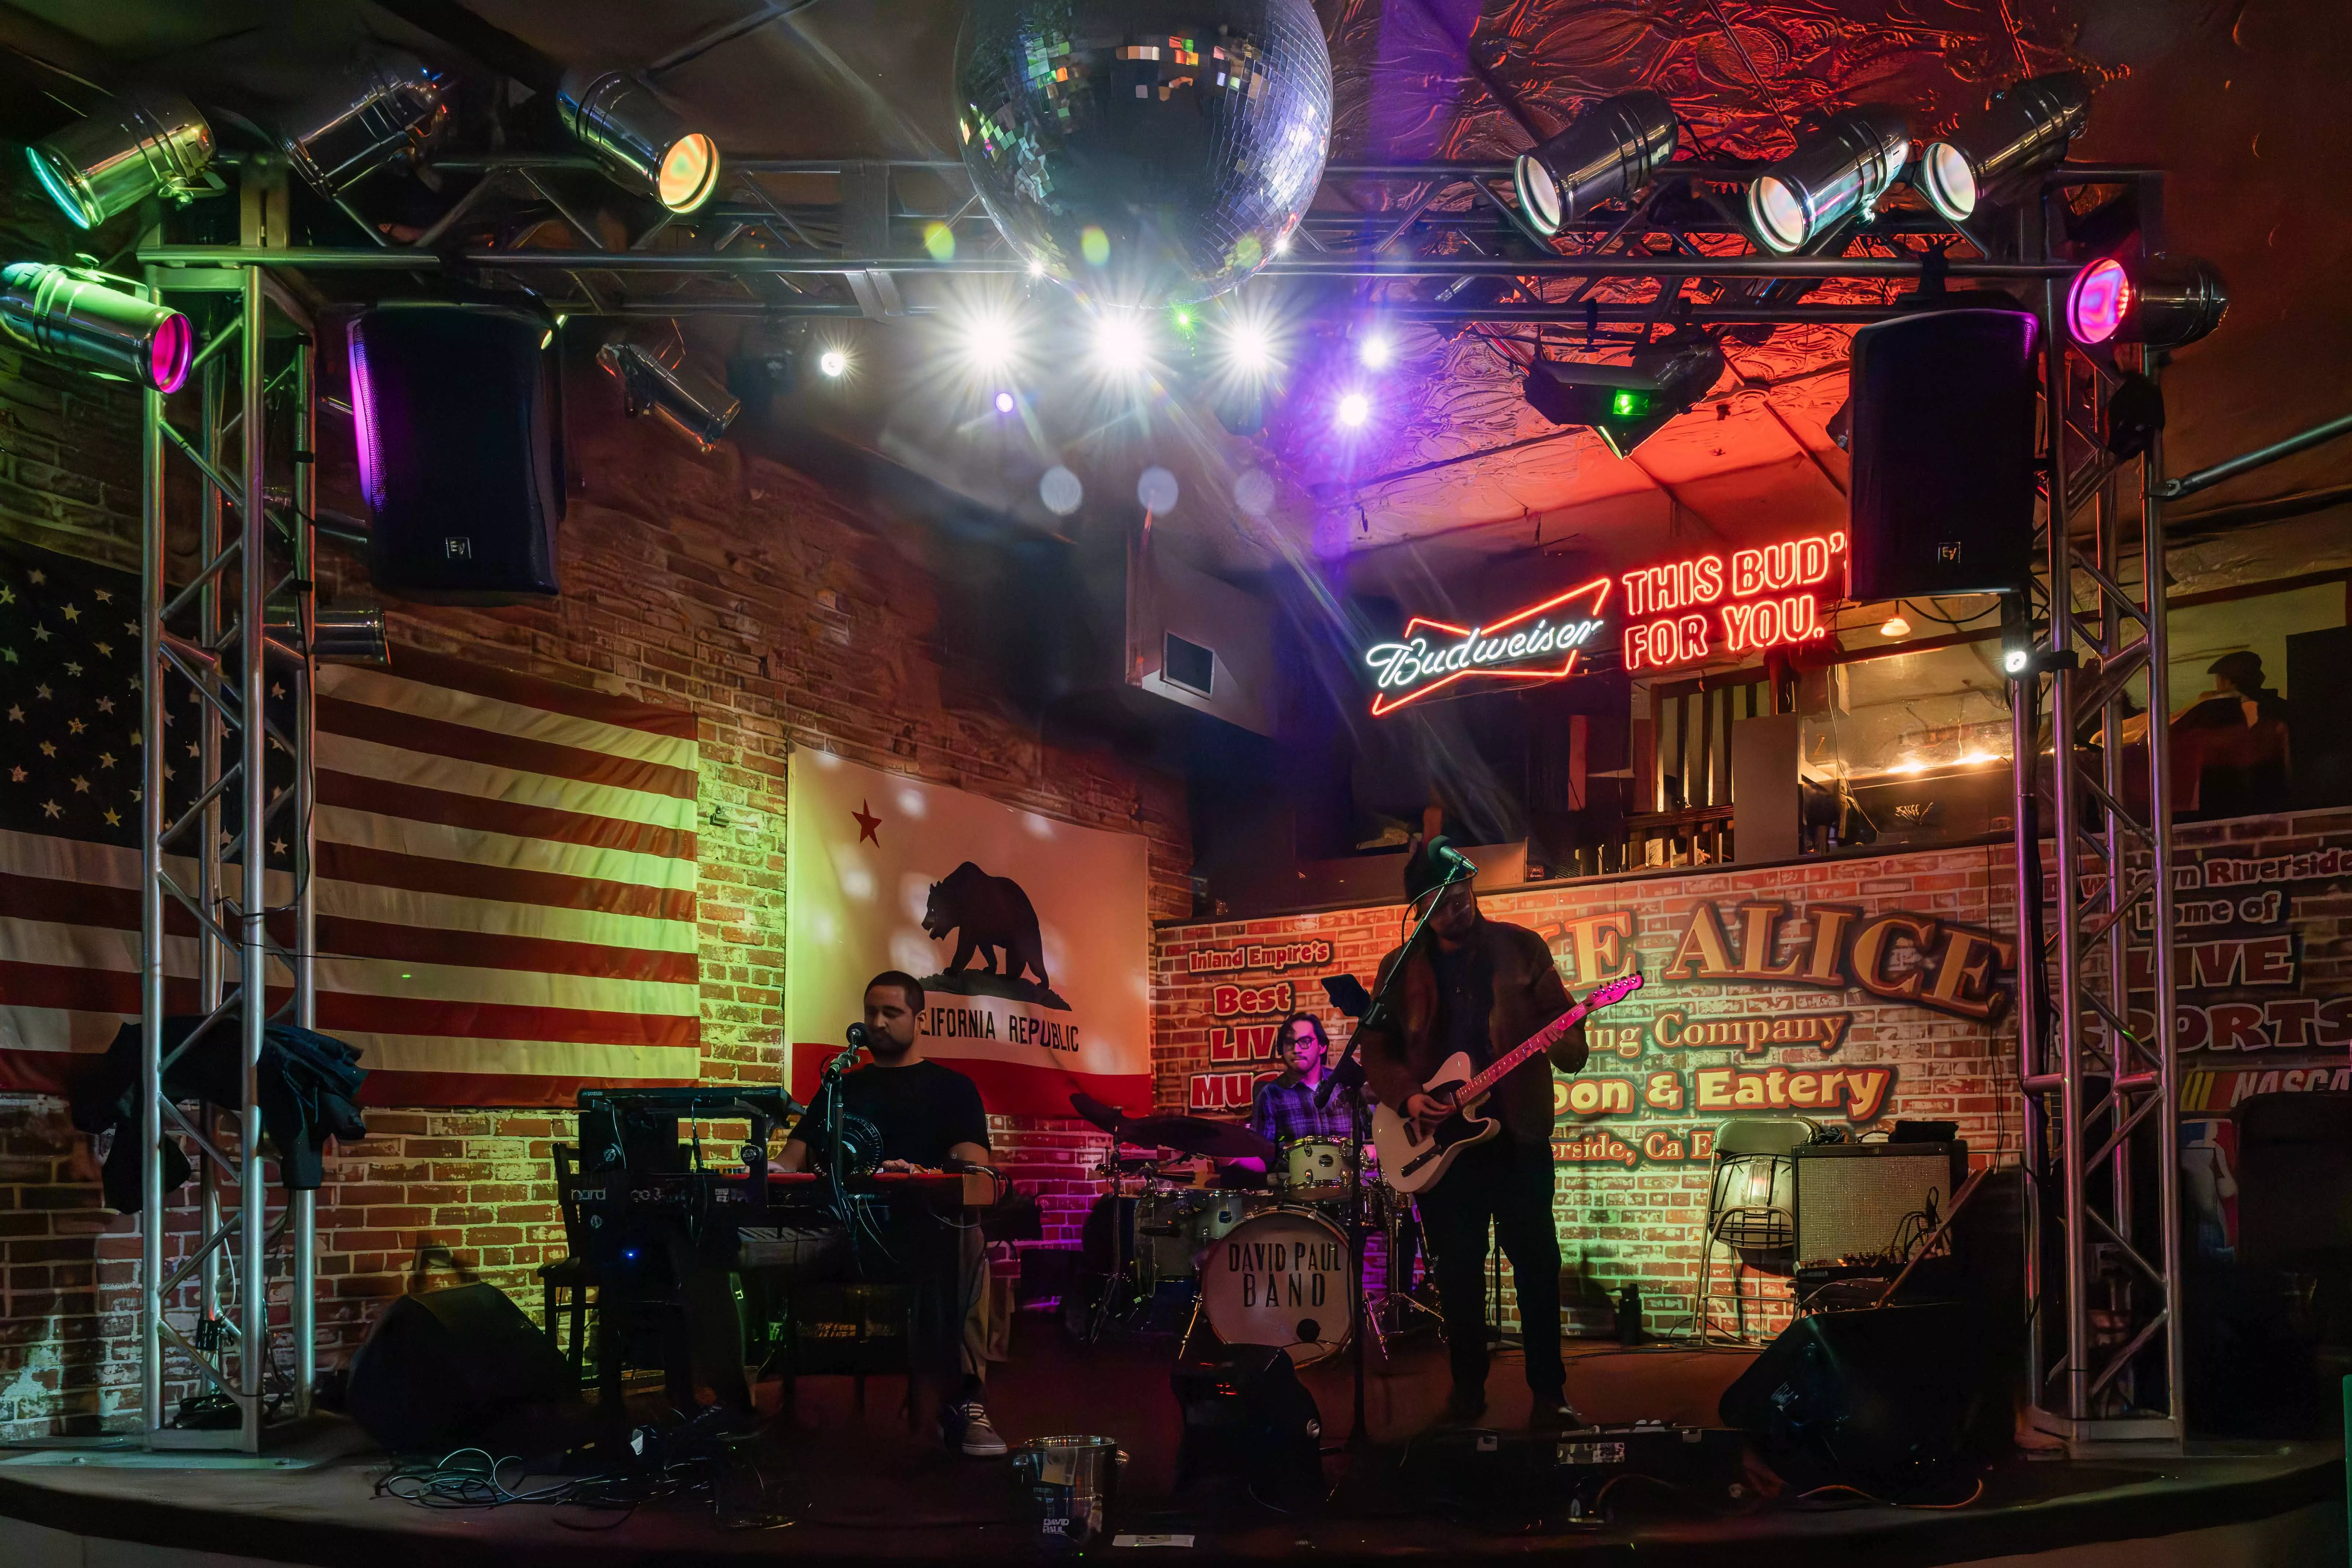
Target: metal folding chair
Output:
[{"x": 1751, "y": 1219}]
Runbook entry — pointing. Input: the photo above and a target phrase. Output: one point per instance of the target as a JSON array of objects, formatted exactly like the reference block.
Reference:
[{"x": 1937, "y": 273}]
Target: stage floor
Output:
[{"x": 856, "y": 1484}]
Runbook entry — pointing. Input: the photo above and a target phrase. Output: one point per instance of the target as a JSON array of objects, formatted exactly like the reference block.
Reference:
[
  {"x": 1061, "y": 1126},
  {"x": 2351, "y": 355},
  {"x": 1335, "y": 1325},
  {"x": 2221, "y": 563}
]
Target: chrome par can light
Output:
[
  {"x": 147, "y": 142},
  {"x": 1843, "y": 168},
  {"x": 94, "y": 320},
  {"x": 386, "y": 110},
  {"x": 1609, "y": 151},
  {"x": 639, "y": 139}
]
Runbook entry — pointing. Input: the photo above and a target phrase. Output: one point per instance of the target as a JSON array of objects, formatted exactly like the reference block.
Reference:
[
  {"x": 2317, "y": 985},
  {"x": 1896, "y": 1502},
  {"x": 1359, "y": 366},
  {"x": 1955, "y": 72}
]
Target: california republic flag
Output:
[{"x": 1030, "y": 935}]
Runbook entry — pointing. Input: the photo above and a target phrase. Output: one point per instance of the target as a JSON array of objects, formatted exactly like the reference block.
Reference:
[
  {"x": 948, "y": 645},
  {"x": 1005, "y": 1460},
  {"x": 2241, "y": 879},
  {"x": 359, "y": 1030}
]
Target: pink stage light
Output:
[{"x": 2098, "y": 301}]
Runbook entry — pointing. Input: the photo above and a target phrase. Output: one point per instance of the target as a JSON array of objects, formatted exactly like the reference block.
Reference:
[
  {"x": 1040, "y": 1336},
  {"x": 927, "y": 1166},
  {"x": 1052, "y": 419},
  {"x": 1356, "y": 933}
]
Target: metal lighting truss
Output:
[
  {"x": 243, "y": 622},
  {"x": 2096, "y": 1048},
  {"x": 761, "y": 248}
]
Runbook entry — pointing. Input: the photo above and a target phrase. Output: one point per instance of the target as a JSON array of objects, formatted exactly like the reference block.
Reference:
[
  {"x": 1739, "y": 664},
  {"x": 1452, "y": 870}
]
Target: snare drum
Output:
[
  {"x": 1315, "y": 1170},
  {"x": 1279, "y": 1278}
]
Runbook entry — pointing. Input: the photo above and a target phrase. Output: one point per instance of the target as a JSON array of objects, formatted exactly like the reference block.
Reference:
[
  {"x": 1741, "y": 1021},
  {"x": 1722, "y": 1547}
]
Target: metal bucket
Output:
[{"x": 1070, "y": 1483}]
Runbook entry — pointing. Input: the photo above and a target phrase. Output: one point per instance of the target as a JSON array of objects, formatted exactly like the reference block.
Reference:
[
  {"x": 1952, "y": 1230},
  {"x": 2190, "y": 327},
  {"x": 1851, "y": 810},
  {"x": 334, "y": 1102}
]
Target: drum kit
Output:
[{"x": 1265, "y": 1258}]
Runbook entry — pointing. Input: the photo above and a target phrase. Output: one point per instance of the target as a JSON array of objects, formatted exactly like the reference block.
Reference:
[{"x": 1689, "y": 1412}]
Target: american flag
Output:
[{"x": 506, "y": 866}]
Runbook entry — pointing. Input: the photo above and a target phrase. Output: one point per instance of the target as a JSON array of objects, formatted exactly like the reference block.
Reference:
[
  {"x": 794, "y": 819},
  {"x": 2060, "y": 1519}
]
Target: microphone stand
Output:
[
  {"x": 829, "y": 1085},
  {"x": 1348, "y": 1074}
]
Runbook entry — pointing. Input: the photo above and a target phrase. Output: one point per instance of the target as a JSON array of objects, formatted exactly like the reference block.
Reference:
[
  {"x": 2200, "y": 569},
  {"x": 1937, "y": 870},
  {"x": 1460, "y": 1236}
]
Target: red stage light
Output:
[{"x": 2098, "y": 301}]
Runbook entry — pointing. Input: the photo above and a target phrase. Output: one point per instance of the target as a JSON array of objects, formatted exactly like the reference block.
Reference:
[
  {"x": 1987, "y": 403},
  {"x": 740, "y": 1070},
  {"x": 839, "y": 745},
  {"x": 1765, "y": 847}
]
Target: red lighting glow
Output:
[{"x": 2098, "y": 301}]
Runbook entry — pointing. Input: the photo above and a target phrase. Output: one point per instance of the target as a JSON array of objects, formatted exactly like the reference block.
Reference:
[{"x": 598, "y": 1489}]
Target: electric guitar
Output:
[{"x": 1412, "y": 1161}]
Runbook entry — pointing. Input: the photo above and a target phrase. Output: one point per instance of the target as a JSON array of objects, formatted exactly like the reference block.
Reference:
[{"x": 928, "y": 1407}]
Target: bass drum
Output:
[{"x": 1279, "y": 1278}]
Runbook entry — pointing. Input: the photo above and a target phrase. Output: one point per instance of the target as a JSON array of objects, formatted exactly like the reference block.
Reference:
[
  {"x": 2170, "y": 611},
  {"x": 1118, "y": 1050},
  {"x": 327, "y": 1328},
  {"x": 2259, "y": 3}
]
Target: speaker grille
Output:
[{"x": 1852, "y": 1199}]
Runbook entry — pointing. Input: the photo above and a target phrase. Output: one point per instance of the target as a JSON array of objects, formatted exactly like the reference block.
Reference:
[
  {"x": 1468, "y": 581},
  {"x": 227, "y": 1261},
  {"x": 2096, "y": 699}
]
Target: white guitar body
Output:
[{"x": 1413, "y": 1161}]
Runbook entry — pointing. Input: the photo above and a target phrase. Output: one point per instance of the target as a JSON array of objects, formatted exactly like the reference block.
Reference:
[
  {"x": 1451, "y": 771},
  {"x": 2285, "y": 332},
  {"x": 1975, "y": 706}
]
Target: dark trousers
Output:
[{"x": 1510, "y": 1184}]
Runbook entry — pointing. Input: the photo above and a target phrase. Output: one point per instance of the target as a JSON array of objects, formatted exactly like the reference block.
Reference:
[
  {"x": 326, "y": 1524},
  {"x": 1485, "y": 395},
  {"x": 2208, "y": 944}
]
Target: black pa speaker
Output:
[
  {"x": 460, "y": 432},
  {"x": 1942, "y": 495},
  {"x": 439, "y": 1367},
  {"x": 2294, "y": 1180},
  {"x": 1889, "y": 1397}
]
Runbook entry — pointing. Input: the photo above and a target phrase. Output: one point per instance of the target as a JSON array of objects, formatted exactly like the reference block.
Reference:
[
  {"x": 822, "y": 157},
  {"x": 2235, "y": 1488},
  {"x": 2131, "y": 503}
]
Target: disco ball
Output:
[{"x": 1144, "y": 151}]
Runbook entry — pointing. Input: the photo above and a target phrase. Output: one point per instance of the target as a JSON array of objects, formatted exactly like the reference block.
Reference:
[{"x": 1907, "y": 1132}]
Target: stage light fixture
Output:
[
  {"x": 148, "y": 142},
  {"x": 1119, "y": 344},
  {"x": 663, "y": 387},
  {"x": 638, "y": 139},
  {"x": 988, "y": 340},
  {"x": 1354, "y": 409},
  {"x": 1626, "y": 405},
  {"x": 1609, "y": 151},
  {"x": 833, "y": 363},
  {"x": 2163, "y": 304},
  {"x": 1895, "y": 625},
  {"x": 386, "y": 109},
  {"x": 1375, "y": 351},
  {"x": 1843, "y": 168},
  {"x": 1999, "y": 154},
  {"x": 95, "y": 321}
]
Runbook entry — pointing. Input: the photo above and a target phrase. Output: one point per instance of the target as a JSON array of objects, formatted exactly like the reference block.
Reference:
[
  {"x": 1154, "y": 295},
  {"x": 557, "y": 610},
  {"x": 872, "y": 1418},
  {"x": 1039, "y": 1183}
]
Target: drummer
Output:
[{"x": 1285, "y": 1108}]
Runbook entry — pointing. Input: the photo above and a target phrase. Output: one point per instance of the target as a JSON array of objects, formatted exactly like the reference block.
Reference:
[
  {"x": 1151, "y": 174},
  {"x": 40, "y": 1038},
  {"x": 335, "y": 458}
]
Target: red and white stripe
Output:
[{"x": 505, "y": 899}]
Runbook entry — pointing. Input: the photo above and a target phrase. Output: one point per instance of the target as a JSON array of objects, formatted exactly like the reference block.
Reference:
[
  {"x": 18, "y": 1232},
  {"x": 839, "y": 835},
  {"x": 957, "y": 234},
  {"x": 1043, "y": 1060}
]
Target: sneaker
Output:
[
  {"x": 965, "y": 1427},
  {"x": 1553, "y": 1413},
  {"x": 1464, "y": 1406}
]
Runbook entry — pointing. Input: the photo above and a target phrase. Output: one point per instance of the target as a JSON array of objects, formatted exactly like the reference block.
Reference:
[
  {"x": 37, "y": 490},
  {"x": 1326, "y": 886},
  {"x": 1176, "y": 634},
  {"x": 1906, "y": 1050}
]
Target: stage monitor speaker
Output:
[
  {"x": 1247, "y": 1413},
  {"x": 1942, "y": 493},
  {"x": 1887, "y": 1397},
  {"x": 439, "y": 1367},
  {"x": 459, "y": 414},
  {"x": 1853, "y": 1199}
]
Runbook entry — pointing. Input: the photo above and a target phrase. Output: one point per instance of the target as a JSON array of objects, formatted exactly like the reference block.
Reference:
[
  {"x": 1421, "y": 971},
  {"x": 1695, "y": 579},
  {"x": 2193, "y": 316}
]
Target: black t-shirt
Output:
[
  {"x": 921, "y": 1110},
  {"x": 1465, "y": 996}
]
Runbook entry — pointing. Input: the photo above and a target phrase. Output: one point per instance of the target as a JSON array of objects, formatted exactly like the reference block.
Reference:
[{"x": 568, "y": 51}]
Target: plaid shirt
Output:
[{"x": 1285, "y": 1109}]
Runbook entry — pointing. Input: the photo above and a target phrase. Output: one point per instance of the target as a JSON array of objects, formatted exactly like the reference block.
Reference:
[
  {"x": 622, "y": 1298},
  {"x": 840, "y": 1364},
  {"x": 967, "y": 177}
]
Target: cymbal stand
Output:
[
  {"x": 1397, "y": 1299},
  {"x": 1121, "y": 1277}
]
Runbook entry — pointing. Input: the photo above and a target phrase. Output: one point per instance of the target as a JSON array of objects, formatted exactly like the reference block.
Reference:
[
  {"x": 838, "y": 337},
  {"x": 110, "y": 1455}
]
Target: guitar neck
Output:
[{"x": 1541, "y": 1040}]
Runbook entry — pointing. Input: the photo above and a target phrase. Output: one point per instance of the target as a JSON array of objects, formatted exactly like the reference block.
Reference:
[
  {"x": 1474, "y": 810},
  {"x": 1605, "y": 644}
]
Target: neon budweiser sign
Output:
[{"x": 1681, "y": 613}]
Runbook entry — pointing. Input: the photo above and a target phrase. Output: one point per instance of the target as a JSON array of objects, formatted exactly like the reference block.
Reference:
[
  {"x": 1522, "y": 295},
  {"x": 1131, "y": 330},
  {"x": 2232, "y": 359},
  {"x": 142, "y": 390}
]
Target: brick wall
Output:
[
  {"x": 729, "y": 584},
  {"x": 1633, "y": 1184}
]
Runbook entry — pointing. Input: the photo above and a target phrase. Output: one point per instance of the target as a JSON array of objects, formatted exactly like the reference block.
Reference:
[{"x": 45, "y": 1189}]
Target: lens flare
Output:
[
  {"x": 1004, "y": 403},
  {"x": 1376, "y": 351},
  {"x": 1119, "y": 344},
  {"x": 1354, "y": 409},
  {"x": 833, "y": 363}
]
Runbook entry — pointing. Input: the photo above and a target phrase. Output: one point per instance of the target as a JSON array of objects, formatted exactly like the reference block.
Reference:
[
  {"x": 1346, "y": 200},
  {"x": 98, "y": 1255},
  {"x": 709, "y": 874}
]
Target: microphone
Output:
[
  {"x": 860, "y": 1038},
  {"x": 1459, "y": 868}
]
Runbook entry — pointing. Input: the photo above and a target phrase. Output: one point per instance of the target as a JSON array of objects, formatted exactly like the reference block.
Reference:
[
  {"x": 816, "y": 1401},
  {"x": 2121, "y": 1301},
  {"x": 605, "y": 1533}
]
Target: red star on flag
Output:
[{"x": 868, "y": 824}]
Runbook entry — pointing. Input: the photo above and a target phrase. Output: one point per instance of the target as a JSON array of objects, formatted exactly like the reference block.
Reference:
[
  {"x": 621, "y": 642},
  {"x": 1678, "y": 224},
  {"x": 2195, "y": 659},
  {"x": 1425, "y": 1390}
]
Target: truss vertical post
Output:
[
  {"x": 214, "y": 863},
  {"x": 151, "y": 562},
  {"x": 302, "y": 735},
  {"x": 2096, "y": 1061}
]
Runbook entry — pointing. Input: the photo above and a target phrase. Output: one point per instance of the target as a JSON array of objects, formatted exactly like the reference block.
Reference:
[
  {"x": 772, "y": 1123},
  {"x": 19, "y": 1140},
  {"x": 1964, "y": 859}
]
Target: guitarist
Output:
[{"x": 1480, "y": 986}]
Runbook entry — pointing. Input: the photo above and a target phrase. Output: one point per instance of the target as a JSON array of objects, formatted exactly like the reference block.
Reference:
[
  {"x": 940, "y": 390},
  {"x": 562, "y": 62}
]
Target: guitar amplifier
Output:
[{"x": 1852, "y": 1199}]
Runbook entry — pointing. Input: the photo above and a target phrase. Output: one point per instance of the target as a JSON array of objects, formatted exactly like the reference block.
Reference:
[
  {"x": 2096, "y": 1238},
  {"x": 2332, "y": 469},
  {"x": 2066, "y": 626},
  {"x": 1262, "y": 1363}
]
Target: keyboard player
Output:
[{"x": 928, "y": 1117}]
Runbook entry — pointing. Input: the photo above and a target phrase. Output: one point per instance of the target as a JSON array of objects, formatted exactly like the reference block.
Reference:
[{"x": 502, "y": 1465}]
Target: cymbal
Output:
[
  {"x": 1107, "y": 1117},
  {"x": 1199, "y": 1135}
]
